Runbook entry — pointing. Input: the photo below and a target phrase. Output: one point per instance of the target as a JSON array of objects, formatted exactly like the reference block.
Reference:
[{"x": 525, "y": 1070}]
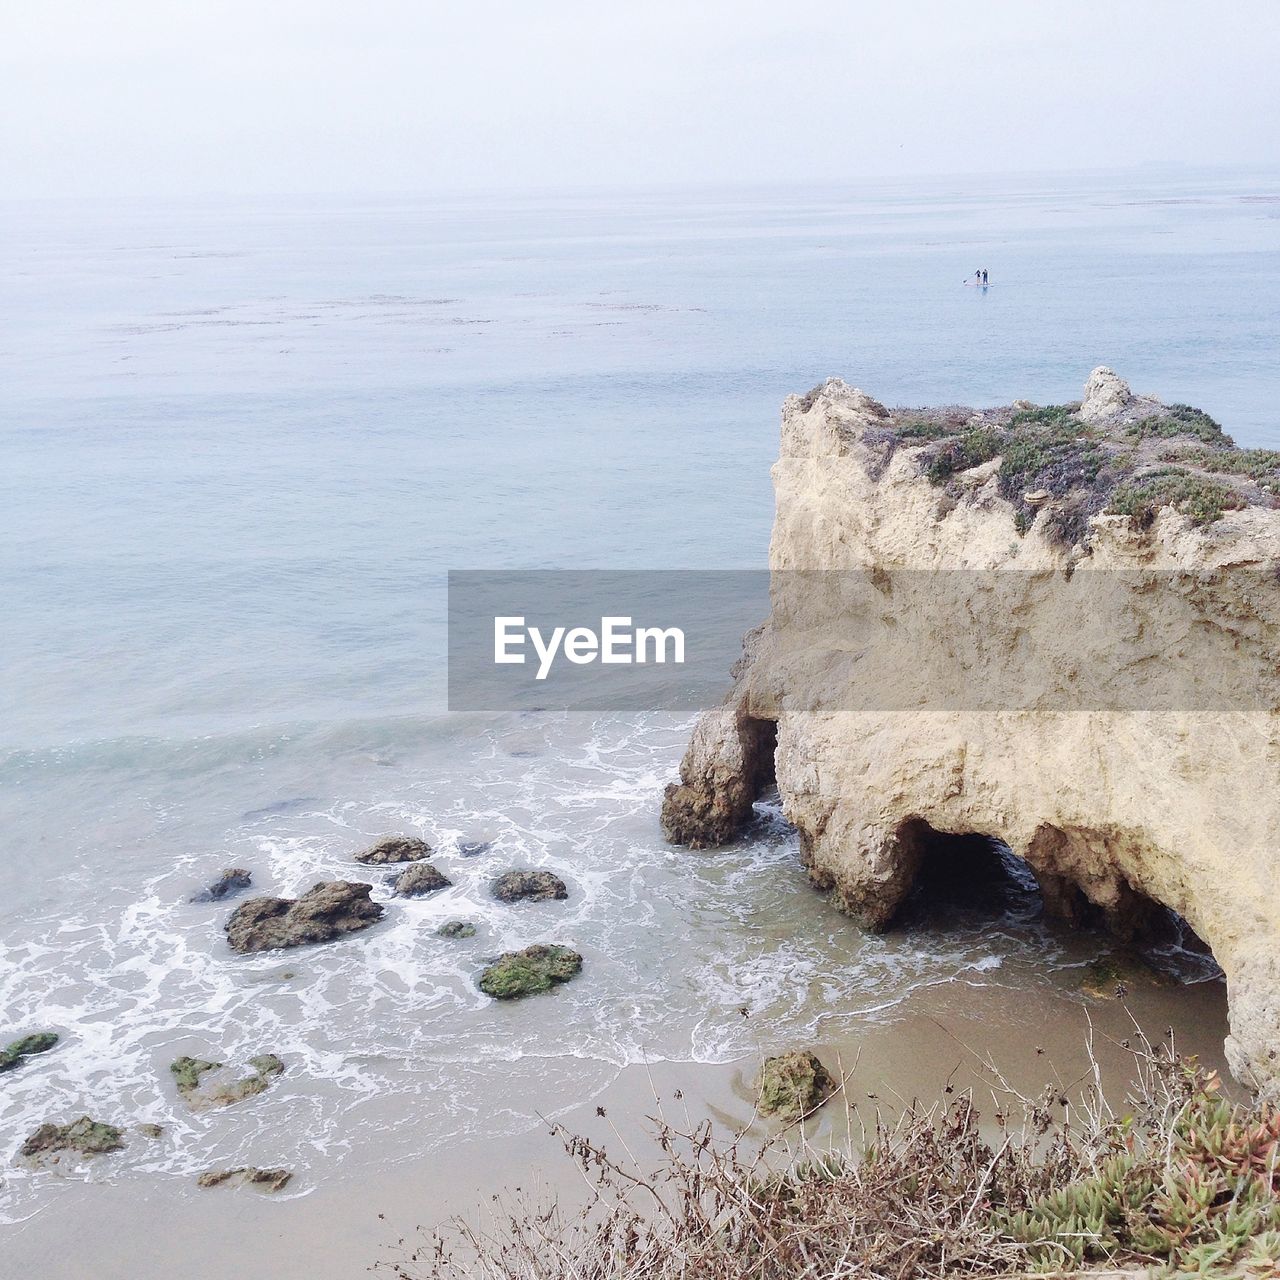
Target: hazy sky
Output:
[{"x": 173, "y": 96}]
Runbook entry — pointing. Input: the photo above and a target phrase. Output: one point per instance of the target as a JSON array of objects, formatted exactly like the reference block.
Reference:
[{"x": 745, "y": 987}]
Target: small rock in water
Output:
[
  {"x": 474, "y": 848},
  {"x": 222, "y": 1089},
  {"x": 457, "y": 929},
  {"x": 395, "y": 849},
  {"x": 245, "y": 1176},
  {"x": 13, "y": 1053},
  {"x": 150, "y": 1130},
  {"x": 419, "y": 879},
  {"x": 528, "y": 886},
  {"x": 525, "y": 973},
  {"x": 83, "y": 1137},
  {"x": 792, "y": 1085},
  {"x": 327, "y": 911},
  {"x": 231, "y": 881}
]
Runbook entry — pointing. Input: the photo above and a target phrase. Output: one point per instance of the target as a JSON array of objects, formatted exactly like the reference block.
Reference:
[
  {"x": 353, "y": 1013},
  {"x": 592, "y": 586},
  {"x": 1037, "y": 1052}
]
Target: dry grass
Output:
[{"x": 1181, "y": 1181}]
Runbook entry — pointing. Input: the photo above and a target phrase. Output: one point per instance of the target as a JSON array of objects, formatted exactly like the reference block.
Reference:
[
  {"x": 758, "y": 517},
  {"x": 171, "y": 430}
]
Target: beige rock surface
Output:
[{"x": 1112, "y": 713}]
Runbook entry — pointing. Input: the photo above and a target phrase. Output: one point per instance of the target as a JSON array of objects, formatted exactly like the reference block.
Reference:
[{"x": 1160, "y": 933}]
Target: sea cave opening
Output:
[{"x": 968, "y": 881}]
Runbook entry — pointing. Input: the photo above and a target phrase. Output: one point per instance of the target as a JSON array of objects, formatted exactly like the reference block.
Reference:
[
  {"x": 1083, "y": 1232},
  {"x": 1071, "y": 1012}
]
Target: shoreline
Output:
[{"x": 342, "y": 1224}]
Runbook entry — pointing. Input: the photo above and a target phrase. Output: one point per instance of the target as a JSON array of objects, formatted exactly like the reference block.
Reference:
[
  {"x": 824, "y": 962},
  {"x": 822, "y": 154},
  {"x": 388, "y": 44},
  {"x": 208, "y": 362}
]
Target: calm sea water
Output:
[{"x": 242, "y": 444}]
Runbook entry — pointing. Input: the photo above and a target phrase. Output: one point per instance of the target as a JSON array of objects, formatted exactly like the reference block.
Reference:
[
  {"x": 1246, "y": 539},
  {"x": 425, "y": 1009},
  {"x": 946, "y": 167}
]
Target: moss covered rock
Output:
[
  {"x": 205, "y": 1085},
  {"x": 525, "y": 973},
  {"x": 14, "y": 1052},
  {"x": 457, "y": 929},
  {"x": 792, "y": 1085},
  {"x": 83, "y": 1137}
]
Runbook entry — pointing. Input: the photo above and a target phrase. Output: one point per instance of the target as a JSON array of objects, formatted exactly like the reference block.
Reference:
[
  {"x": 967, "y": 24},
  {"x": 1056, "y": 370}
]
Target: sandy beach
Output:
[{"x": 342, "y": 1224}]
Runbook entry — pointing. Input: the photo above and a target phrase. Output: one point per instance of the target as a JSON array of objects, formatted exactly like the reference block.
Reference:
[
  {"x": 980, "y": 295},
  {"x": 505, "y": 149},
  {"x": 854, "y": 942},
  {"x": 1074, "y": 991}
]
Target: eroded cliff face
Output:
[{"x": 1134, "y": 760}]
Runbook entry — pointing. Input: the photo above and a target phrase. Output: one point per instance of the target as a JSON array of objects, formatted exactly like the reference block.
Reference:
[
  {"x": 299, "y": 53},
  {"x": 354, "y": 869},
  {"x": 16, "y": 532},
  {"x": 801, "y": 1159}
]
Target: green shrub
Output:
[
  {"x": 972, "y": 449},
  {"x": 1196, "y": 496},
  {"x": 1181, "y": 420}
]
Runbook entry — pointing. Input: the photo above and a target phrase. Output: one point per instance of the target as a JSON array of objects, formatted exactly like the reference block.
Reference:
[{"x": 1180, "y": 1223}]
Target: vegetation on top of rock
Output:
[
  {"x": 1257, "y": 464},
  {"x": 16, "y": 1050},
  {"x": 1076, "y": 467},
  {"x": 793, "y": 1085},
  {"x": 1202, "y": 499},
  {"x": 1181, "y": 1182},
  {"x": 83, "y": 1137},
  {"x": 528, "y": 972},
  {"x": 1181, "y": 420}
]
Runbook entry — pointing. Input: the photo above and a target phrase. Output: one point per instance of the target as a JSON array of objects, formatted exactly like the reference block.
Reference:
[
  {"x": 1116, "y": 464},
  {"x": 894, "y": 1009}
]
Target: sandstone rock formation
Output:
[
  {"x": 1090, "y": 677},
  {"x": 327, "y": 911}
]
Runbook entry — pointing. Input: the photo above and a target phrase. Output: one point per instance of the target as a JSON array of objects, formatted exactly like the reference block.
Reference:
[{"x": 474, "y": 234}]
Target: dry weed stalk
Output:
[{"x": 1182, "y": 1181}]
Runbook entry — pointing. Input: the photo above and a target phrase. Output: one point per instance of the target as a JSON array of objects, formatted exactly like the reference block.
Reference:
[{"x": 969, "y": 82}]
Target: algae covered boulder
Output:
[
  {"x": 528, "y": 886},
  {"x": 327, "y": 911},
  {"x": 526, "y": 973},
  {"x": 457, "y": 929},
  {"x": 14, "y": 1052},
  {"x": 792, "y": 1085},
  {"x": 205, "y": 1085},
  {"x": 84, "y": 1137},
  {"x": 395, "y": 849},
  {"x": 419, "y": 879}
]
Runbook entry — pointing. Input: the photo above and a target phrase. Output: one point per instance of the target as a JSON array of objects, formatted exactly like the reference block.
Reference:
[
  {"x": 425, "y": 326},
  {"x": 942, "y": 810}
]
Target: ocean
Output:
[{"x": 244, "y": 443}]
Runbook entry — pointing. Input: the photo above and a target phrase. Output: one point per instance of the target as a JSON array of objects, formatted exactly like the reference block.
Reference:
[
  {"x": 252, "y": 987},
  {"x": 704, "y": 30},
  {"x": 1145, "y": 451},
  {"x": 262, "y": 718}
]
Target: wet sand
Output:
[{"x": 345, "y": 1223}]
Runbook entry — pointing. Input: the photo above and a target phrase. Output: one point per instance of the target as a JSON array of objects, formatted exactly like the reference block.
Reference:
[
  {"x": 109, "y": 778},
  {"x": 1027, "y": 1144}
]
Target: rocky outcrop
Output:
[
  {"x": 395, "y": 849},
  {"x": 1090, "y": 677},
  {"x": 421, "y": 878},
  {"x": 230, "y": 882},
  {"x": 528, "y": 886},
  {"x": 525, "y": 973},
  {"x": 329, "y": 910}
]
